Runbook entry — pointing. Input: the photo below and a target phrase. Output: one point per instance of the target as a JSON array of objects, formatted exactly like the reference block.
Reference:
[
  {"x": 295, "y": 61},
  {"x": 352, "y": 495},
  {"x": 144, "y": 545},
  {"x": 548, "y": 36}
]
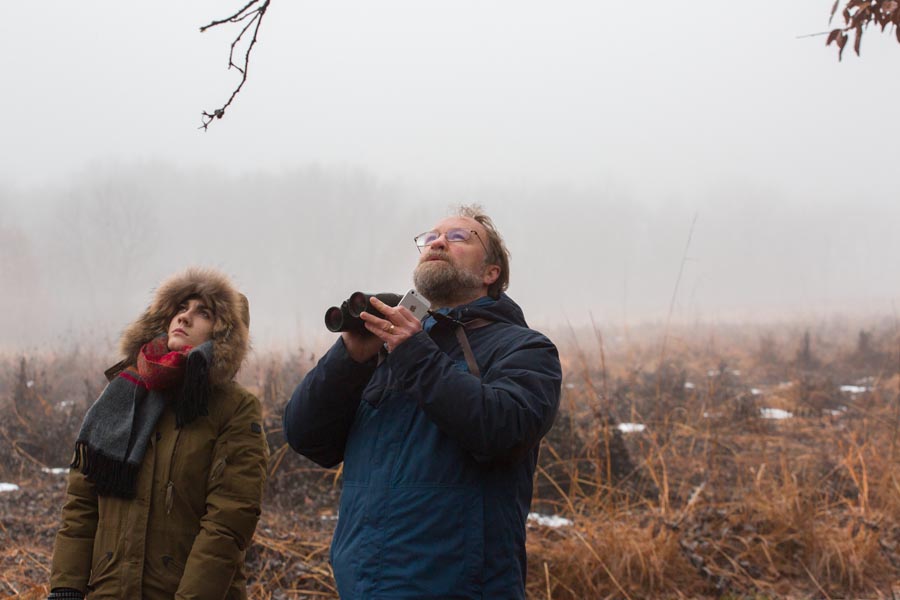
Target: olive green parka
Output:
[{"x": 199, "y": 489}]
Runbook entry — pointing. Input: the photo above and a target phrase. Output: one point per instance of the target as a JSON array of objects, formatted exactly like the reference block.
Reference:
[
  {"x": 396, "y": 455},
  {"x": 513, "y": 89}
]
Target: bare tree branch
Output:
[{"x": 253, "y": 13}]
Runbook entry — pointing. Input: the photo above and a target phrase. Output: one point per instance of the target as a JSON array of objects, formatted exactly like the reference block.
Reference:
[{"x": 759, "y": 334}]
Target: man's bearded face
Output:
[{"x": 443, "y": 282}]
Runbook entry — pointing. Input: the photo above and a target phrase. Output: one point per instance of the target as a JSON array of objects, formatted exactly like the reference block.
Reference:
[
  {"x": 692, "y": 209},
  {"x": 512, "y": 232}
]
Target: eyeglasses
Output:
[{"x": 451, "y": 235}]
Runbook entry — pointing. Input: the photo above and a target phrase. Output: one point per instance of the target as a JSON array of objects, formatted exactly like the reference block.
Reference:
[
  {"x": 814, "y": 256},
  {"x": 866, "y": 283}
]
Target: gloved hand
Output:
[{"x": 65, "y": 594}]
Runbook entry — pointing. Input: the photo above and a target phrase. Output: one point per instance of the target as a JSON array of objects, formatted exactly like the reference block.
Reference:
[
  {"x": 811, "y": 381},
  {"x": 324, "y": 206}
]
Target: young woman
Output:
[{"x": 165, "y": 488}]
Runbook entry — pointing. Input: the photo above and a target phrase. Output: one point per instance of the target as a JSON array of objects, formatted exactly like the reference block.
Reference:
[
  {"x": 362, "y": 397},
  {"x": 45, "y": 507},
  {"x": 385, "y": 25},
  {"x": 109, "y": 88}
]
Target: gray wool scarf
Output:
[{"x": 117, "y": 427}]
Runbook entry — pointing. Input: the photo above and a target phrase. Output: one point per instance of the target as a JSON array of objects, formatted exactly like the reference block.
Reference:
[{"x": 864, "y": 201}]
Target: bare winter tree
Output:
[
  {"x": 250, "y": 17},
  {"x": 858, "y": 16}
]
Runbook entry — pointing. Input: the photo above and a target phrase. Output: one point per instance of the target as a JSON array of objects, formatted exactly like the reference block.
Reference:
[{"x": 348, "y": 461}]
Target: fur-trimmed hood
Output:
[{"x": 231, "y": 332}]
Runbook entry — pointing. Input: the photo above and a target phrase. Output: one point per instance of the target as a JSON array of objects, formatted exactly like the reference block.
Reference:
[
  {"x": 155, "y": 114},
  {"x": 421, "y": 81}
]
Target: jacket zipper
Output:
[
  {"x": 218, "y": 468},
  {"x": 170, "y": 486}
]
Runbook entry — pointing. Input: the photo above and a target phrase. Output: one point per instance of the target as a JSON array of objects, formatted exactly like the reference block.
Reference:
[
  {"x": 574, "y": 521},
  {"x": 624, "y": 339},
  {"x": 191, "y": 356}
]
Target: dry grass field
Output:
[{"x": 737, "y": 462}]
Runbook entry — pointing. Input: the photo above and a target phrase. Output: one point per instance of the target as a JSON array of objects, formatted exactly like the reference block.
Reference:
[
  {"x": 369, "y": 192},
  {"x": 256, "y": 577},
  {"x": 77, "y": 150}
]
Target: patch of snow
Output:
[
  {"x": 713, "y": 373},
  {"x": 756, "y": 391},
  {"x": 688, "y": 385},
  {"x": 549, "y": 520},
  {"x": 55, "y": 470},
  {"x": 775, "y": 413},
  {"x": 631, "y": 427},
  {"x": 570, "y": 386},
  {"x": 854, "y": 389},
  {"x": 736, "y": 372},
  {"x": 30, "y": 383},
  {"x": 8, "y": 487}
]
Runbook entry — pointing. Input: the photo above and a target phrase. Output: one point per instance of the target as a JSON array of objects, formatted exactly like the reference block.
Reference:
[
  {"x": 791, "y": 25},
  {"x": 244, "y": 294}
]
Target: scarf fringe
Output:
[
  {"x": 109, "y": 476},
  {"x": 195, "y": 390}
]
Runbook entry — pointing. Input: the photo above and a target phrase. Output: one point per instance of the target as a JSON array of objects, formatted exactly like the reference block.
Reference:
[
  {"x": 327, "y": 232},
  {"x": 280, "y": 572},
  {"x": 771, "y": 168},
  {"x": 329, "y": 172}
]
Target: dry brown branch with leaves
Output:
[{"x": 858, "y": 16}]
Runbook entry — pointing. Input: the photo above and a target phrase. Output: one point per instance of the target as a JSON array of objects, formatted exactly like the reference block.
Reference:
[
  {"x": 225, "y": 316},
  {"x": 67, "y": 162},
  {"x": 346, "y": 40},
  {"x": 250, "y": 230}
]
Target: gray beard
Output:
[{"x": 445, "y": 285}]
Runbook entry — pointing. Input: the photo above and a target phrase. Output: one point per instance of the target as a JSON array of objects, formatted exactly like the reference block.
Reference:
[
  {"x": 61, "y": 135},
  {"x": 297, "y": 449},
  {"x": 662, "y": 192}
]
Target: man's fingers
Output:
[
  {"x": 380, "y": 331},
  {"x": 400, "y": 314},
  {"x": 370, "y": 318},
  {"x": 374, "y": 324},
  {"x": 378, "y": 304},
  {"x": 399, "y": 326},
  {"x": 381, "y": 307}
]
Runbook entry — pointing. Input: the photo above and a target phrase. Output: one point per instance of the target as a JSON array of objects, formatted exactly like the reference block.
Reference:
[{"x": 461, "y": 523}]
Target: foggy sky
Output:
[{"x": 594, "y": 132}]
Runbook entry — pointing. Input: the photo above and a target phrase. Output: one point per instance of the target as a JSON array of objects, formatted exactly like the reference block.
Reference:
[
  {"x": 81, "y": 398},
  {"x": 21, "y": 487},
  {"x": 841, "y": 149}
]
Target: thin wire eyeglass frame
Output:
[{"x": 446, "y": 234}]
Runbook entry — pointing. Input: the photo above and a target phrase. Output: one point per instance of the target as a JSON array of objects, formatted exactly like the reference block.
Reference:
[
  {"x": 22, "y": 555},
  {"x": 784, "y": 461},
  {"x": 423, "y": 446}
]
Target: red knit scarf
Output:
[{"x": 159, "y": 367}]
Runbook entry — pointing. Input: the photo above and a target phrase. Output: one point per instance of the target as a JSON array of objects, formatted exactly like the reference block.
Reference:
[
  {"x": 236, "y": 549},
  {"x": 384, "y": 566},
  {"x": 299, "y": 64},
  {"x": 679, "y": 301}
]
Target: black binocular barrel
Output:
[{"x": 346, "y": 316}]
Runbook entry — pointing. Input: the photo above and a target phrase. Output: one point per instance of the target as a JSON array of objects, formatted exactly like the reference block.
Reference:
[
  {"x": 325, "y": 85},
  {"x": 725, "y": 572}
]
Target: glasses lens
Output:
[
  {"x": 457, "y": 235},
  {"x": 427, "y": 238}
]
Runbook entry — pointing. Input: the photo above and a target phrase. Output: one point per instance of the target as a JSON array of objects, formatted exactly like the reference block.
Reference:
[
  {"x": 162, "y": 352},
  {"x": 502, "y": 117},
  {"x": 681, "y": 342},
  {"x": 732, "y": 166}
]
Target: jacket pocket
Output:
[
  {"x": 99, "y": 569},
  {"x": 218, "y": 468},
  {"x": 173, "y": 565},
  {"x": 171, "y": 572},
  {"x": 433, "y": 544},
  {"x": 220, "y": 461}
]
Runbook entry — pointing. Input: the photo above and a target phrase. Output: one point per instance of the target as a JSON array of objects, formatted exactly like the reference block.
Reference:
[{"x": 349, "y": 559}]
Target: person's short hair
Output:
[{"x": 497, "y": 253}]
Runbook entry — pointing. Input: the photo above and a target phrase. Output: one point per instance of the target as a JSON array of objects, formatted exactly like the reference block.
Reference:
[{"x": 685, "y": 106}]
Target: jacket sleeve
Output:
[
  {"x": 73, "y": 550},
  {"x": 318, "y": 417},
  {"x": 233, "y": 502},
  {"x": 500, "y": 416}
]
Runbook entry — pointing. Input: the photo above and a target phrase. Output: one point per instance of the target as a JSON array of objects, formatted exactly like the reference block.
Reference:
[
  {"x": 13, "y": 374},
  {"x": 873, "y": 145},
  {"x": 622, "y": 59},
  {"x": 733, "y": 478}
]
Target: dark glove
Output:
[{"x": 65, "y": 594}]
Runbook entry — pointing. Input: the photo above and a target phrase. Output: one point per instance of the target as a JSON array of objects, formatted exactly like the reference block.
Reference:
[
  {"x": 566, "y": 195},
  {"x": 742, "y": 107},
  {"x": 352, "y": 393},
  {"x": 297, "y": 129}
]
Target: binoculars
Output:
[{"x": 346, "y": 316}]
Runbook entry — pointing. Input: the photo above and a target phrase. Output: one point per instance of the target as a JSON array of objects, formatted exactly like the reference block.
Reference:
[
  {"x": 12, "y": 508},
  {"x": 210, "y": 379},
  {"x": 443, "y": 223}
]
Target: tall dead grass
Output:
[{"x": 710, "y": 500}]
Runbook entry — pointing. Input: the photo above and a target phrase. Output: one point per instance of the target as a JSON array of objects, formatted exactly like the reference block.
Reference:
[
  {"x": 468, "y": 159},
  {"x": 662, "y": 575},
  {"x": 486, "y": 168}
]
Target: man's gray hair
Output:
[{"x": 497, "y": 253}]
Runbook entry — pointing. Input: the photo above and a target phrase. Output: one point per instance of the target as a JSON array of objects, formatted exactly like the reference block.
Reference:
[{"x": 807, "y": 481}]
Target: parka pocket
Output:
[
  {"x": 432, "y": 542},
  {"x": 99, "y": 568},
  {"x": 171, "y": 573},
  {"x": 173, "y": 565}
]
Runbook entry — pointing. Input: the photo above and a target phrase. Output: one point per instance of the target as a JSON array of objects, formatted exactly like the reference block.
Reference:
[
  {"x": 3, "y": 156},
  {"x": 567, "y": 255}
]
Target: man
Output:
[{"x": 439, "y": 448}]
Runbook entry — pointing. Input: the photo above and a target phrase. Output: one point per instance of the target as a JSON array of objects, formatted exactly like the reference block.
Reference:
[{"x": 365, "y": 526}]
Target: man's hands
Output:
[{"x": 398, "y": 326}]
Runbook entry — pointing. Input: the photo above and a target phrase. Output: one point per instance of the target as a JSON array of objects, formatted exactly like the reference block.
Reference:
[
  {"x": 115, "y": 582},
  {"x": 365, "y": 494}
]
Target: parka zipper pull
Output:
[{"x": 169, "y": 493}]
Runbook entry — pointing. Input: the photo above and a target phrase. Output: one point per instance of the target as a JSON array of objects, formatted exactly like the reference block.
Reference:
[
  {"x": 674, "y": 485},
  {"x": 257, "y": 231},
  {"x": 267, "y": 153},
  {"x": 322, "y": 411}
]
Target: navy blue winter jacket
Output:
[{"x": 438, "y": 464}]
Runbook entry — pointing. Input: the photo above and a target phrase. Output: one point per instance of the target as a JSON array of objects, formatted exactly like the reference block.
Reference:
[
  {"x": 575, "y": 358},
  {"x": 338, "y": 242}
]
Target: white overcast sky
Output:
[
  {"x": 706, "y": 106},
  {"x": 670, "y": 95}
]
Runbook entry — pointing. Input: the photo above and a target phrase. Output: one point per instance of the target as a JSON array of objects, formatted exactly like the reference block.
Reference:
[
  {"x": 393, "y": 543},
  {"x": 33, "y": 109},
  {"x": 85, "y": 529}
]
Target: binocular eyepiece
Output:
[{"x": 346, "y": 316}]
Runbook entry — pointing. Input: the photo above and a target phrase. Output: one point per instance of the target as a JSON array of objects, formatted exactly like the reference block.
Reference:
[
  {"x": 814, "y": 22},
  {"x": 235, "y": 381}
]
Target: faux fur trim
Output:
[{"x": 231, "y": 333}]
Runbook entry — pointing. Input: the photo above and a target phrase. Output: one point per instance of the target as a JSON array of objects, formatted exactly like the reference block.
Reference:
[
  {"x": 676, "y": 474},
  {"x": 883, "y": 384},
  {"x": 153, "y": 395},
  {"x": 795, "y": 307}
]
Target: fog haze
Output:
[{"x": 594, "y": 133}]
